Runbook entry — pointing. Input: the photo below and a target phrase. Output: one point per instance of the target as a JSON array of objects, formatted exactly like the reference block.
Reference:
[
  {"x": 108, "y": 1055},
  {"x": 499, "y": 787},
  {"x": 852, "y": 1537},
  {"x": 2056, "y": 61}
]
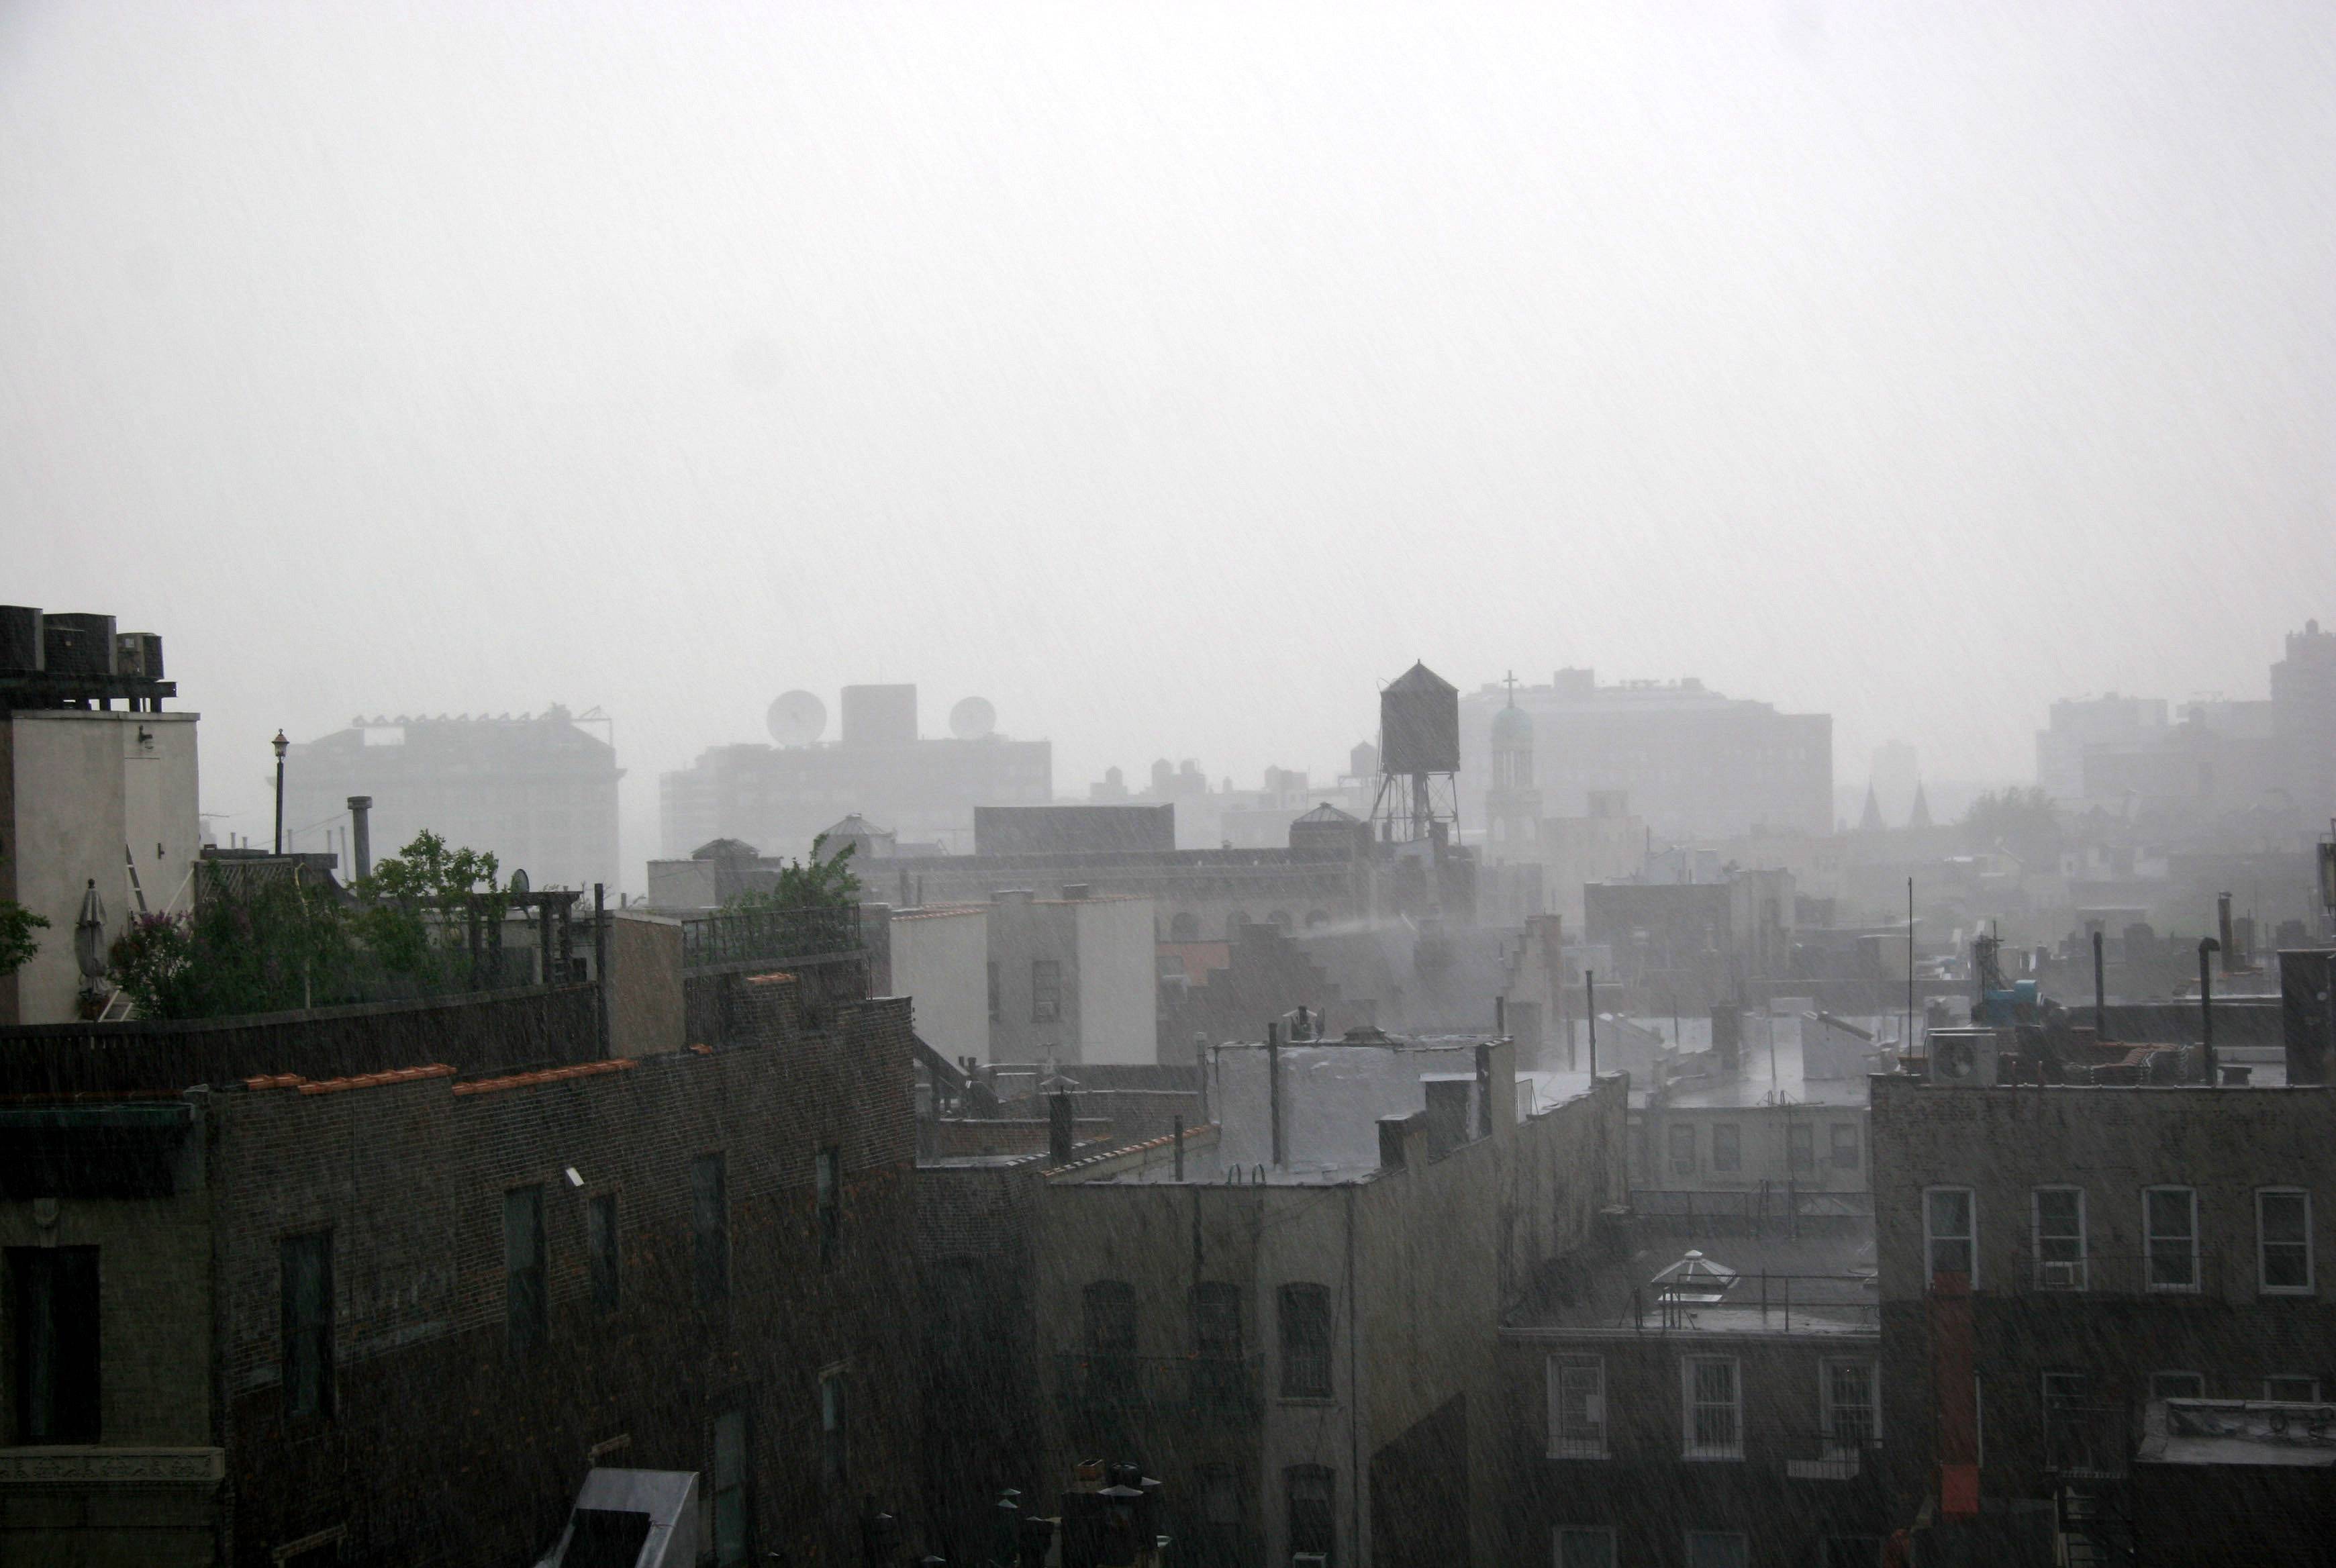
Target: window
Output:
[
  {"x": 307, "y": 1263},
  {"x": 2177, "y": 1385},
  {"x": 1679, "y": 1138},
  {"x": 1727, "y": 1146},
  {"x": 1718, "y": 1549},
  {"x": 834, "y": 1439},
  {"x": 2283, "y": 1240},
  {"x": 2077, "y": 1434},
  {"x": 524, "y": 1316},
  {"x": 709, "y": 1215},
  {"x": 1845, "y": 1145},
  {"x": 1801, "y": 1146},
  {"x": 1949, "y": 1232},
  {"x": 2291, "y": 1390},
  {"x": 53, "y": 1297},
  {"x": 996, "y": 1011},
  {"x": 1848, "y": 1407},
  {"x": 600, "y": 1241},
  {"x": 2059, "y": 1219},
  {"x": 1046, "y": 991},
  {"x": 1305, "y": 1342},
  {"x": 729, "y": 1487},
  {"x": 1714, "y": 1414},
  {"x": 2169, "y": 1217},
  {"x": 827, "y": 1180},
  {"x": 1313, "y": 1519},
  {"x": 1584, "y": 1546},
  {"x": 1577, "y": 1407},
  {"x": 1641, "y": 1160}
]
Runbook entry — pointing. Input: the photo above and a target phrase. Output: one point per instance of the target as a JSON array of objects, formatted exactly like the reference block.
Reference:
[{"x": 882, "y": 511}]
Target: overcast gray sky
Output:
[{"x": 1168, "y": 373}]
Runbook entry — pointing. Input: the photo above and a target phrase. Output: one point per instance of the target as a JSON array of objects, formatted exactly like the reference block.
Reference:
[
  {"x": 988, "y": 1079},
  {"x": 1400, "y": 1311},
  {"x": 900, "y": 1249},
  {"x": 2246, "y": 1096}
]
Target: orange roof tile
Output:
[
  {"x": 362, "y": 1081},
  {"x": 548, "y": 1076}
]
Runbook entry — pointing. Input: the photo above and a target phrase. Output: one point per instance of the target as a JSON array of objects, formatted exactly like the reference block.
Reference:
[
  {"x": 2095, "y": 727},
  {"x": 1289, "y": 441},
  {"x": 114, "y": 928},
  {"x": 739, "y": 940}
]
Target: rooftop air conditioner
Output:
[{"x": 1964, "y": 1059}]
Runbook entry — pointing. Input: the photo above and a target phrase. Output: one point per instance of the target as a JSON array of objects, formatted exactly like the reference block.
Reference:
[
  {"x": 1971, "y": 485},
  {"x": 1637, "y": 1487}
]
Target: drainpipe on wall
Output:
[{"x": 1273, "y": 1086}]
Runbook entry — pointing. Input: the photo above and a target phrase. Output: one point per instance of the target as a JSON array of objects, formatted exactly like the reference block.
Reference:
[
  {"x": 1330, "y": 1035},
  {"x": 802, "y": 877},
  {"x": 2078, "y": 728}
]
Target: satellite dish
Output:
[
  {"x": 519, "y": 884},
  {"x": 973, "y": 719},
  {"x": 796, "y": 719}
]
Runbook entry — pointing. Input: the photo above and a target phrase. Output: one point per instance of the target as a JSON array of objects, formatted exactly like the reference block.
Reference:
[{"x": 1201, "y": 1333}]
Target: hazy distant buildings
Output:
[
  {"x": 538, "y": 790},
  {"x": 2217, "y": 756},
  {"x": 1695, "y": 764},
  {"x": 777, "y": 796}
]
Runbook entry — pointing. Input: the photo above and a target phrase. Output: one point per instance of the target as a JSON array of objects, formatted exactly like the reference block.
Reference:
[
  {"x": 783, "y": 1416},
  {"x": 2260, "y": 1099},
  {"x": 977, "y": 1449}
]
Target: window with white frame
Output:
[
  {"x": 1951, "y": 1232},
  {"x": 1712, "y": 1415},
  {"x": 2283, "y": 1241},
  {"x": 1577, "y": 1407},
  {"x": 1849, "y": 1405},
  {"x": 2291, "y": 1390},
  {"x": 2169, "y": 1225},
  {"x": 1584, "y": 1546},
  {"x": 1718, "y": 1549},
  {"x": 2060, "y": 1224},
  {"x": 1681, "y": 1138},
  {"x": 2177, "y": 1385}
]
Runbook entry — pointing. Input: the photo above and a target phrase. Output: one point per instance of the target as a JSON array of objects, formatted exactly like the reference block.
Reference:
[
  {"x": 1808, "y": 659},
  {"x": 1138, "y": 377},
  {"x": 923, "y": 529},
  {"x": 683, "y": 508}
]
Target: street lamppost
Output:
[{"x": 281, "y": 745}]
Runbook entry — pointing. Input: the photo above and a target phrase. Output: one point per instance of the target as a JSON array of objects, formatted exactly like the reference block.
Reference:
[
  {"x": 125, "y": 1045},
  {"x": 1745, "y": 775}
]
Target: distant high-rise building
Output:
[
  {"x": 2078, "y": 723},
  {"x": 1695, "y": 764},
  {"x": 2303, "y": 718},
  {"x": 777, "y": 796},
  {"x": 538, "y": 790}
]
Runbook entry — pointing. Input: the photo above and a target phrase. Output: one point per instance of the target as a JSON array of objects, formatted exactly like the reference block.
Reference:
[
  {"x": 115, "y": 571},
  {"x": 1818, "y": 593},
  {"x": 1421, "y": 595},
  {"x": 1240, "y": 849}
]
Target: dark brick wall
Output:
[
  {"x": 447, "y": 1449},
  {"x": 975, "y": 1235},
  {"x": 471, "y": 1034}
]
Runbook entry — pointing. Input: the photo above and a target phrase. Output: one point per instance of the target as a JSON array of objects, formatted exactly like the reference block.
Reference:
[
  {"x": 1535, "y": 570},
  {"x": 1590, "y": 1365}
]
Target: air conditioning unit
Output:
[
  {"x": 1964, "y": 1059},
  {"x": 2059, "y": 1276}
]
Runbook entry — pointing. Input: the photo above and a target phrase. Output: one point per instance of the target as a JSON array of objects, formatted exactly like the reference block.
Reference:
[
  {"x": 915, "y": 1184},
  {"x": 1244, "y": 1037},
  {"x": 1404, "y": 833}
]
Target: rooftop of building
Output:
[
  {"x": 1819, "y": 1283},
  {"x": 2232, "y": 1432}
]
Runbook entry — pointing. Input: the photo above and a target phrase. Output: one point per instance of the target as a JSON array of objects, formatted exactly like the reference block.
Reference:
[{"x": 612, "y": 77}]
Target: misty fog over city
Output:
[{"x": 1254, "y": 788}]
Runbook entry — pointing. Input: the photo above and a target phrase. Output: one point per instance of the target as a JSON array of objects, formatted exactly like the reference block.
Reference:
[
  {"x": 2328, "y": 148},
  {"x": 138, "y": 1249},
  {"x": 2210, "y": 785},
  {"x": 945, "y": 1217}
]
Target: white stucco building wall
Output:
[
  {"x": 1119, "y": 980},
  {"x": 940, "y": 962},
  {"x": 90, "y": 796}
]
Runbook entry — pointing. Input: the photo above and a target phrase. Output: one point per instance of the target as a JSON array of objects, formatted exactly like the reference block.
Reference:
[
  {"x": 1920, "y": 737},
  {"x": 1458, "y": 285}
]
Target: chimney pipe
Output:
[
  {"x": 1590, "y": 1006},
  {"x": 1180, "y": 1148},
  {"x": 361, "y": 834},
  {"x": 2206, "y": 946},
  {"x": 1500, "y": 1017},
  {"x": 2101, "y": 994},
  {"x": 2223, "y": 925},
  {"x": 1060, "y": 1129},
  {"x": 1273, "y": 1086}
]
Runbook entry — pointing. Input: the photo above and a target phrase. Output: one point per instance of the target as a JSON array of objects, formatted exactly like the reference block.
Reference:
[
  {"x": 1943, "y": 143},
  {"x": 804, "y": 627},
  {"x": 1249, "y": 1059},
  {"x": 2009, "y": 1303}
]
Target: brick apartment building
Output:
[
  {"x": 2061, "y": 1264},
  {"x": 1295, "y": 1332},
  {"x": 394, "y": 1317}
]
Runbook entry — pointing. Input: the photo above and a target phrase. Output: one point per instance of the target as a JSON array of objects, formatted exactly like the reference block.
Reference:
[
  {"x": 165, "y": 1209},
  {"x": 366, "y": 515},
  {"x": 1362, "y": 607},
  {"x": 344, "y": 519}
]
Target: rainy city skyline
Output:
[{"x": 1912, "y": 368}]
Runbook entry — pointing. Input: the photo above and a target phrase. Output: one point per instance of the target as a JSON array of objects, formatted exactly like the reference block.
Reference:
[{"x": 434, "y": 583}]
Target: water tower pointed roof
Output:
[{"x": 1420, "y": 678}]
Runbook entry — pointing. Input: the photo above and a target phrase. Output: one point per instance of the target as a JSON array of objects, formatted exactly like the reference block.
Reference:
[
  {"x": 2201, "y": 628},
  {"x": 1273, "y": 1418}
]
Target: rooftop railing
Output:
[
  {"x": 1762, "y": 1304},
  {"x": 766, "y": 936}
]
